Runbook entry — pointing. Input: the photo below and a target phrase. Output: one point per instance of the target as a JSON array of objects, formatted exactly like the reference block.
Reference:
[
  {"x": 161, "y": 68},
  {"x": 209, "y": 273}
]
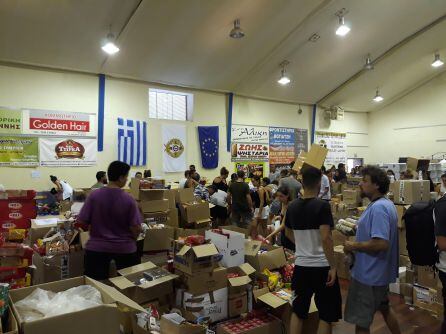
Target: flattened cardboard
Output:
[
  {"x": 204, "y": 282},
  {"x": 412, "y": 164},
  {"x": 147, "y": 291},
  {"x": 154, "y": 205},
  {"x": 159, "y": 239},
  {"x": 99, "y": 319},
  {"x": 316, "y": 156},
  {"x": 232, "y": 248}
]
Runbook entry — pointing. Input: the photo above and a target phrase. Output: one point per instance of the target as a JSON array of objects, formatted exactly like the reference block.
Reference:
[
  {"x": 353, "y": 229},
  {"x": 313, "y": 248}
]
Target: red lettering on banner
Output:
[{"x": 59, "y": 125}]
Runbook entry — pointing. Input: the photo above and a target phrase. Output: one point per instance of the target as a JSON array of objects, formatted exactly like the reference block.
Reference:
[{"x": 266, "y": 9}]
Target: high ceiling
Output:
[{"x": 186, "y": 43}]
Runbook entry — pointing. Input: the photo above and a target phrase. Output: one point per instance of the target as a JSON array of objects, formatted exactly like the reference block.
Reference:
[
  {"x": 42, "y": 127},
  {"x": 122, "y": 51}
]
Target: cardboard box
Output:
[
  {"x": 184, "y": 195},
  {"x": 157, "y": 258},
  {"x": 427, "y": 277},
  {"x": 57, "y": 267},
  {"x": 316, "y": 156},
  {"x": 170, "y": 195},
  {"x": 154, "y": 205},
  {"x": 169, "y": 327},
  {"x": 239, "y": 284},
  {"x": 195, "y": 213},
  {"x": 232, "y": 248},
  {"x": 402, "y": 242},
  {"x": 173, "y": 217},
  {"x": 147, "y": 291},
  {"x": 196, "y": 259},
  {"x": 99, "y": 319},
  {"x": 274, "y": 326},
  {"x": 339, "y": 239},
  {"x": 185, "y": 232},
  {"x": 235, "y": 228},
  {"x": 37, "y": 231},
  {"x": 401, "y": 210},
  {"x": 404, "y": 261},
  {"x": 237, "y": 304},
  {"x": 342, "y": 268},
  {"x": 351, "y": 197},
  {"x": 161, "y": 217},
  {"x": 201, "y": 283},
  {"x": 212, "y": 305},
  {"x": 410, "y": 191},
  {"x": 273, "y": 258},
  {"x": 159, "y": 239},
  {"x": 425, "y": 298}
]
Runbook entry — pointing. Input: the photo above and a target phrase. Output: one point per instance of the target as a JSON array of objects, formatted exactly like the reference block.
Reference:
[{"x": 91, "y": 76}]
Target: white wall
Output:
[
  {"x": 412, "y": 126},
  {"x": 355, "y": 126},
  {"x": 54, "y": 90}
]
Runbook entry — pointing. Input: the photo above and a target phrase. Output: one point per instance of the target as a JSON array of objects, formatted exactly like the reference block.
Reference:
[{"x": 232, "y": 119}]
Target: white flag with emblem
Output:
[{"x": 174, "y": 148}]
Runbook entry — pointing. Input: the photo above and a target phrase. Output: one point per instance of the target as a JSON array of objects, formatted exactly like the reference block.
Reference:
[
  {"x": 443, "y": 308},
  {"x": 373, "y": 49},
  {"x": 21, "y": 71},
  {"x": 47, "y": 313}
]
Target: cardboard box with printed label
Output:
[
  {"x": 129, "y": 283},
  {"x": 211, "y": 305},
  {"x": 54, "y": 268},
  {"x": 204, "y": 282},
  {"x": 196, "y": 259},
  {"x": 410, "y": 191},
  {"x": 351, "y": 197},
  {"x": 272, "y": 258},
  {"x": 401, "y": 210},
  {"x": 159, "y": 239},
  {"x": 98, "y": 319},
  {"x": 427, "y": 277},
  {"x": 425, "y": 298},
  {"x": 230, "y": 244}
]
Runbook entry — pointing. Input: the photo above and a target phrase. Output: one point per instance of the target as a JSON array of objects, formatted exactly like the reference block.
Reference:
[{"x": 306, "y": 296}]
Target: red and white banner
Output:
[
  {"x": 58, "y": 123},
  {"x": 249, "y": 152},
  {"x": 60, "y": 152}
]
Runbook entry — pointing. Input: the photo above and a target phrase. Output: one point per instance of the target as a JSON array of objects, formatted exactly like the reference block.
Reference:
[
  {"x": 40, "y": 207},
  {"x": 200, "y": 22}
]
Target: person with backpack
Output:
[
  {"x": 376, "y": 255},
  {"x": 440, "y": 233}
]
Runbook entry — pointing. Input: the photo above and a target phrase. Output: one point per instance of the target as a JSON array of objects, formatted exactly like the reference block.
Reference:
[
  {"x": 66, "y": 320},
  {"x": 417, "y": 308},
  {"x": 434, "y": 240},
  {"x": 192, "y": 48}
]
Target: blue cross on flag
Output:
[{"x": 208, "y": 139}]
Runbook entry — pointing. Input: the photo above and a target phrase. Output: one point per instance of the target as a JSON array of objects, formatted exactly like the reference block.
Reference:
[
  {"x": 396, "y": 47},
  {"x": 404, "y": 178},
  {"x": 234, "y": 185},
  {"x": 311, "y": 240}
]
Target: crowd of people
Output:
[{"x": 289, "y": 208}]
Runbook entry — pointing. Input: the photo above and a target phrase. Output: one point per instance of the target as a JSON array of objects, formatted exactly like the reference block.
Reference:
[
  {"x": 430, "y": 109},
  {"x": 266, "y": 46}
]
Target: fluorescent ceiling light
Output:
[
  {"x": 109, "y": 46},
  {"x": 284, "y": 80},
  {"x": 437, "y": 61},
  {"x": 343, "y": 29},
  {"x": 378, "y": 97}
]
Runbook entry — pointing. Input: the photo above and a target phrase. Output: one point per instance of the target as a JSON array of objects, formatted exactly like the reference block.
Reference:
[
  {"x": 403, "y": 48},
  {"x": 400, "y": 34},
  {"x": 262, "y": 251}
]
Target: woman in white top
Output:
[{"x": 62, "y": 187}]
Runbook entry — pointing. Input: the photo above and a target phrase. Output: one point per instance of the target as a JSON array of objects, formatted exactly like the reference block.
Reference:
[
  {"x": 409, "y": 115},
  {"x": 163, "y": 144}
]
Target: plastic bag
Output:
[{"x": 41, "y": 303}]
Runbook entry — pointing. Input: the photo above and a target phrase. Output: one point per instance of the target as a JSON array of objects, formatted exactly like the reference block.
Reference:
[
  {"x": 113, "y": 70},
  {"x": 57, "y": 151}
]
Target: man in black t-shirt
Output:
[
  {"x": 240, "y": 202},
  {"x": 310, "y": 221}
]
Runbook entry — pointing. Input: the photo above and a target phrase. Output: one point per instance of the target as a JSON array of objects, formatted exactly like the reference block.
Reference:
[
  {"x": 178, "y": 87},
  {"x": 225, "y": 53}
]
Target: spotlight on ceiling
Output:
[
  {"x": 368, "y": 63},
  {"x": 237, "y": 32},
  {"x": 109, "y": 46},
  {"x": 343, "y": 29},
  {"x": 378, "y": 97},
  {"x": 283, "y": 80},
  {"x": 437, "y": 61}
]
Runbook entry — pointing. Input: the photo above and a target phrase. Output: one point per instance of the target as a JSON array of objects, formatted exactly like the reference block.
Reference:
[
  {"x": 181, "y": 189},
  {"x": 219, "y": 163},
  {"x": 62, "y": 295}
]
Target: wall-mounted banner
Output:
[
  {"x": 250, "y": 168},
  {"x": 10, "y": 121},
  {"x": 249, "y": 134},
  {"x": 249, "y": 152},
  {"x": 61, "y": 152},
  {"x": 174, "y": 148},
  {"x": 282, "y": 143},
  {"x": 336, "y": 145},
  {"x": 58, "y": 123},
  {"x": 19, "y": 151},
  {"x": 301, "y": 141}
]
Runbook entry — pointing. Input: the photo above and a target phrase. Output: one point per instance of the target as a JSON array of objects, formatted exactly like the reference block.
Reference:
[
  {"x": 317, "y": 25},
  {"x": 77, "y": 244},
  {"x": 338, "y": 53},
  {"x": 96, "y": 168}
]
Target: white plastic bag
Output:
[{"x": 41, "y": 303}]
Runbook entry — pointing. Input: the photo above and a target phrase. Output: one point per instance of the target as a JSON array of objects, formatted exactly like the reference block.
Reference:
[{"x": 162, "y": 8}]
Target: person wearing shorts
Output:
[
  {"x": 114, "y": 222},
  {"x": 240, "y": 202},
  {"x": 376, "y": 256},
  {"x": 310, "y": 221}
]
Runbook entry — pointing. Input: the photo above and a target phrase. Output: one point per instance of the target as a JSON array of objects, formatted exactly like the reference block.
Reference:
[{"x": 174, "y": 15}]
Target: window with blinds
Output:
[{"x": 171, "y": 105}]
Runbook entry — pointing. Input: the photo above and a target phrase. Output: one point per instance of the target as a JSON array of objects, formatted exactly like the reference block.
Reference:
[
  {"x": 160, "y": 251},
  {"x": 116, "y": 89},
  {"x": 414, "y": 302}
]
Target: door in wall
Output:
[{"x": 353, "y": 162}]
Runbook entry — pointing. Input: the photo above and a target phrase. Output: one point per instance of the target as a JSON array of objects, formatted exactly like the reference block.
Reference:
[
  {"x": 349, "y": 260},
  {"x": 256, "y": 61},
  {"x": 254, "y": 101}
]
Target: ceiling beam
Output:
[{"x": 380, "y": 58}]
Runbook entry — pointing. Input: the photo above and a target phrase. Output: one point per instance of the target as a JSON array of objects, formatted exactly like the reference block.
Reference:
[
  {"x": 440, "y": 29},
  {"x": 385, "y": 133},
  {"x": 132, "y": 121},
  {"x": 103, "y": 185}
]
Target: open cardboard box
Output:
[
  {"x": 239, "y": 284},
  {"x": 196, "y": 259},
  {"x": 273, "y": 258},
  {"x": 154, "y": 205},
  {"x": 204, "y": 282},
  {"x": 232, "y": 248},
  {"x": 57, "y": 267},
  {"x": 39, "y": 231},
  {"x": 147, "y": 291},
  {"x": 99, "y": 319},
  {"x": 169, "y": 327},
  {"x": 159, "y": 239},
  {"x": 194, "y": 212}
]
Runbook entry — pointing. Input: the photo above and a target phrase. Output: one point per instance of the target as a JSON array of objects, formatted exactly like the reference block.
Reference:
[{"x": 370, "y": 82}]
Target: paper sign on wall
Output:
[
  {"x": 249, "y": 152},
  {"x": 60, "y": 152},
  {"x": 10, "y": 121},
  {"x": 336, "y": 145},
  {"x": 58, "y": 123},
  {"x": 249, "y": 134},
  {"x": 19, "y": 151}
]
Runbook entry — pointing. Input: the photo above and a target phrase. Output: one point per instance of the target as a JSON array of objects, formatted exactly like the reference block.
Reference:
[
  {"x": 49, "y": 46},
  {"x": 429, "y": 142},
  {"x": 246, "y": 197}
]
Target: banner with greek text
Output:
[{"x": 19, "y": 152}]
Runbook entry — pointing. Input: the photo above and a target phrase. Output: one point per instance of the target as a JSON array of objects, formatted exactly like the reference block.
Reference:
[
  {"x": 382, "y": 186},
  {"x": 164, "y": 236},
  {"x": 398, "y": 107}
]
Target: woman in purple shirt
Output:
[{"x": 115, "y": 223}]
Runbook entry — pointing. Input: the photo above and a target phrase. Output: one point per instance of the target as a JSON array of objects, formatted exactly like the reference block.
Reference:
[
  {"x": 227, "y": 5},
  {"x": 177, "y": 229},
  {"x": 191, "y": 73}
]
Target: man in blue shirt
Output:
[{"x": 376, "y": 255}]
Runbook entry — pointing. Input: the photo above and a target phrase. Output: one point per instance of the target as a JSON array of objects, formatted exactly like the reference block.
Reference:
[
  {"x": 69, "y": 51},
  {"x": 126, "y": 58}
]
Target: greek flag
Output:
[{"x": 132, "y": 142}]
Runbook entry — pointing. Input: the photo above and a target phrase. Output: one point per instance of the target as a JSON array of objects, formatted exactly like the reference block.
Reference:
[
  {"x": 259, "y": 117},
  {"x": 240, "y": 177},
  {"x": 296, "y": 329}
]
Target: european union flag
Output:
[{"x": 208, "y": 139}]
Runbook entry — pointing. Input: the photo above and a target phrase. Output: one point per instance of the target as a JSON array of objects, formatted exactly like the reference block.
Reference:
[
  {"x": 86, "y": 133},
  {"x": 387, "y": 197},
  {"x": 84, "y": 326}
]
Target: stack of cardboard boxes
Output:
[{"x": 194, "y": 213}]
